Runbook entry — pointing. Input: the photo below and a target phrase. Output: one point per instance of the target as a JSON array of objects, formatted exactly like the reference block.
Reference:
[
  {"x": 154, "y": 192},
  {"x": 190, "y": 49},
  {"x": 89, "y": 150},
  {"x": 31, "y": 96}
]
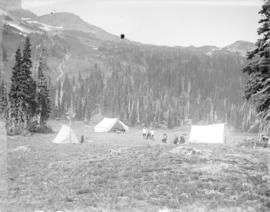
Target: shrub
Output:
[{"x": 34, "y": 127}]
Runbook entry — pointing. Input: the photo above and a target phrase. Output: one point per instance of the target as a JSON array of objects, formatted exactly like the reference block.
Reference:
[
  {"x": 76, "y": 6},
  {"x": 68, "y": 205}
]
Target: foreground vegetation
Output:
[{"x": 144, "y": 176}]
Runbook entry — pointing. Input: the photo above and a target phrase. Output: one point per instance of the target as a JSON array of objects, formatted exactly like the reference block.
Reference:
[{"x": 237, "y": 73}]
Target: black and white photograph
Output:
[{"x": 134, "y": 105}]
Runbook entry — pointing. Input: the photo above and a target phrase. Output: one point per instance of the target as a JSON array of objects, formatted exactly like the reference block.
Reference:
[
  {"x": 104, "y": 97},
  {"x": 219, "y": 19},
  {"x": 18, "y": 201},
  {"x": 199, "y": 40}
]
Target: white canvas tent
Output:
[
  {"x": 66, "y": 136},
  {"x": 207, "y": 134},
  {"x": 110, "y": 124}
]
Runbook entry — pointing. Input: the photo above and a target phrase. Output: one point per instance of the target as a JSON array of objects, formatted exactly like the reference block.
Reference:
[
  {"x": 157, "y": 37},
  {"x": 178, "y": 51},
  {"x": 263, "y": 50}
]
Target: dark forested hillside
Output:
[
  {"x": 141, "y": 84},
  {"x": 160, "y": 86}
]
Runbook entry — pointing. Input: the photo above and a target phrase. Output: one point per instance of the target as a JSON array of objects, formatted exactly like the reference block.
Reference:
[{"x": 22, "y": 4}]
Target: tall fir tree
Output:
[
  {"x": 15, "y": 114},
  {"x": 258, "y": 85},
  {"x": 22, "y": 102},
  {"x": 43, "y": 97},
  {"x": 27, "y": 83}
]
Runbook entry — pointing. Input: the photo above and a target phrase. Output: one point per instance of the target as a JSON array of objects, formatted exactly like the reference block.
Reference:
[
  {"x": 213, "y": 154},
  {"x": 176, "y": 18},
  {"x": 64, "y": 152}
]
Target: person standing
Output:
[
  {"x": 148, "y": 134},
  {"x": 164, "y": 138},
  {"x": 182, "y": 140},
  {"x": 176, "y": 140},
  {"x": 152, "y": 134},
  {"x": 144, "y": 132},
  {"x": 82, "y": 139}
]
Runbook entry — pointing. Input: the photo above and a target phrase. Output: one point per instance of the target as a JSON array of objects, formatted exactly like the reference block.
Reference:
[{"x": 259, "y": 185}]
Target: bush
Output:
[
  {"x": 13, "y": 129},
  {"x": 34, "y": 127},
  {"x": 253, "y": 143}
]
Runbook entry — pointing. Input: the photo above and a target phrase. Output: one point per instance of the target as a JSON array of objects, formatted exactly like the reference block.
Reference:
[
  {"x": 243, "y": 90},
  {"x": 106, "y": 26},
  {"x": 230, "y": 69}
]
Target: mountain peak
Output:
[
  {"x": 70, "y": 21},
  {"x": 242, "y": 43},
  {"x": 241, "y": 47},
  {"x": 60, "y": 15}
]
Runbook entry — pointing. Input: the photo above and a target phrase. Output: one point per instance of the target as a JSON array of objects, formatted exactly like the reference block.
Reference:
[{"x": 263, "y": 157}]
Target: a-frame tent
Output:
[
  {"x": 66, "y": 136},
  {"x": 214, "y": 133},
  {"x": 110, "y": 124}
]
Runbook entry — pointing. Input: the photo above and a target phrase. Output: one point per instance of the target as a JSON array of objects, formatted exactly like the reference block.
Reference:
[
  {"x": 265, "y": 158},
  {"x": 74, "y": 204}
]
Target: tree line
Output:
[
  {"x": 168, "y": 93},
  {"x": 27, "y": 105},
  {"x": 152, "y": 87}
]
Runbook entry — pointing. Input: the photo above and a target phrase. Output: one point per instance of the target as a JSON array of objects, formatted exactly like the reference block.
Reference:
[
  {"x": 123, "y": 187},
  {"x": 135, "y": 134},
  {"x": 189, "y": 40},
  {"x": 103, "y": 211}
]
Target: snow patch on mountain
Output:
[
  {"x": 240, "y": 47},
  {"x": 212, "y": 50},
  {"x": 42, "y": 26},
  {"x": 48, "y": 28},
  {"x": 25, "y": 19},
  {"x": 29, "y": 21},
  {"x": 19, "y": 27},
  {"x": 236, "y": 50}
]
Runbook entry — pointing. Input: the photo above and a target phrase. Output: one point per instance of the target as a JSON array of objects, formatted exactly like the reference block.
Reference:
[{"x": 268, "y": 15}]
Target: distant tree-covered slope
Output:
[{"x": 91, "y": 70}]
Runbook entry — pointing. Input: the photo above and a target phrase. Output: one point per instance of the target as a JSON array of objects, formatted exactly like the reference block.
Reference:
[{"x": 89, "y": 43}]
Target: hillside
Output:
[
  {"x": 241, "y": 47},
  {"x": 92, "y": 69},
  {"x": 73, "y": 22}
]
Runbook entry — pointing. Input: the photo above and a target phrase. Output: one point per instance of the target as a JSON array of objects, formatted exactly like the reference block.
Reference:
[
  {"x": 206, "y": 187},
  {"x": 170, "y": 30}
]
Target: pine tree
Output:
[
  {"x": 15, "y": 113},
  {"x": 22, "y": 104},
  {"x": 43, "y": 97},
  {"x": 27, "y": 83},
  {"x": 258, "y": 85}
]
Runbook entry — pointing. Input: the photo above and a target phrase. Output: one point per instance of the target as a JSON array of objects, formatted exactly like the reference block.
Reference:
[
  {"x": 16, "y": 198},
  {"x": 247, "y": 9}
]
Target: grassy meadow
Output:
[{"x": 144, "y": 176}]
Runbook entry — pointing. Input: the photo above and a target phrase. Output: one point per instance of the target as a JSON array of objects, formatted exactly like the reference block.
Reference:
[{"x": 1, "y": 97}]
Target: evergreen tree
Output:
[
  {"x": 258, "y": 85},
  {"x": 27, "y": 84},
  {"x": 22, "y": 104},
  {"x": 43, "y": 97},
  {"x": 15, "y": 113}
]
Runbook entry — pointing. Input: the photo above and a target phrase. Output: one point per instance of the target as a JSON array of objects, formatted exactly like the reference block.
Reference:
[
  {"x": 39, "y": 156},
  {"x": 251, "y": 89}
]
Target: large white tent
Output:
[
  {"x": 66, "y": 136},
  {"x": 207, "y": 134},
  {"x": 110, "y": 124}
]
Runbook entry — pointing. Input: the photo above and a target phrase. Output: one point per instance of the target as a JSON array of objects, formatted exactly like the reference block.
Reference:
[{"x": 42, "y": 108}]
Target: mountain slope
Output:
[
  {"x": 73, "y": 22},
  {"x": 21, "y": 13},
  {"x": 241, "y": 47},
  {"x": 92, "y": 69}
]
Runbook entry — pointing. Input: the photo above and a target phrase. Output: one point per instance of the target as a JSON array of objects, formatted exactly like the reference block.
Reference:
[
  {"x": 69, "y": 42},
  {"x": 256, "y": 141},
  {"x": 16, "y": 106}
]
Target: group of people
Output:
[
  {"x": 176, "y": 140},
  {"x": 148, "y": 134}
]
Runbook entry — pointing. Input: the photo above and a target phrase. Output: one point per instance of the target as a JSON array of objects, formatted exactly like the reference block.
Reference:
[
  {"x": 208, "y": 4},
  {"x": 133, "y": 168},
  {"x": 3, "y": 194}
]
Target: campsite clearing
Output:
[{"x": 142, "y": 175}]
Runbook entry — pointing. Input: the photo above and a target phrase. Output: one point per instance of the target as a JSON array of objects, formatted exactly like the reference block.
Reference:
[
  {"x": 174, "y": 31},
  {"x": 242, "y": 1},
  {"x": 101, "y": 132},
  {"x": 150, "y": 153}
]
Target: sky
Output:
[{"x": 165, "y": 22}]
